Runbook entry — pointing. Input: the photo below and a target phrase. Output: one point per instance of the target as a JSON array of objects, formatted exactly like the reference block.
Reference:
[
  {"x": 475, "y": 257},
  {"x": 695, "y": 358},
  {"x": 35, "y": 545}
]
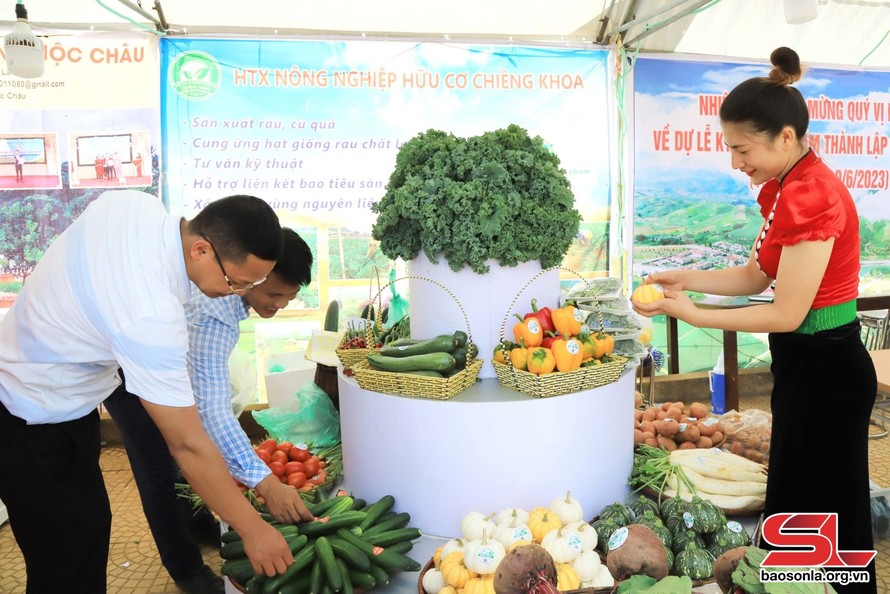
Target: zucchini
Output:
[
  {"x": 361, "y": 579},
  {"x": 404, "y": 341},
  {"x": 350, "y": 553},
  {"x": 325, "y": 555},
  {"x": 332, "y": 316},
  {"x": 373, "y": 513},
  {"x": 345, "y": 519},
  {"x": 444, "y": 343},
  {"x": 391, "y": 537},
  {"x": 436, "y": 361},
  {"x": 461, "y": 338},
  {"x": 425, "y": 373}
]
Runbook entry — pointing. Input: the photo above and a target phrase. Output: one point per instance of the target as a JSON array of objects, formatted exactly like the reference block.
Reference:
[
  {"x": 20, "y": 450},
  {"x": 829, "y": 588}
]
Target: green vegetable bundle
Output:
[{"x": 501, "y": 195}]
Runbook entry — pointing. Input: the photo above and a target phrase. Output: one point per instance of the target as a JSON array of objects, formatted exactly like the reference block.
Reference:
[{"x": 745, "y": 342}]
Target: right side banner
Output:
[{"x": 692, "y": 210}]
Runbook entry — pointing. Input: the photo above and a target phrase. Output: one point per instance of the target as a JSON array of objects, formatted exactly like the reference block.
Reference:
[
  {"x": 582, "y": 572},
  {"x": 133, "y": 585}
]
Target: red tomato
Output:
[
  {"x": 264, "y": 455},
  {"x": 311, "y": 467},
  {"x": 270, "y": 445},
  {"x": 292, "y": 467},
  {"x": 277, "y": 468},
  {"x": 322, "y": 464},
  {"x": 298, "y": 454},
  {"x": 279, "y": 456},
  {"x": 285, "y": 446},
  {"x": 296, "y": 480}
]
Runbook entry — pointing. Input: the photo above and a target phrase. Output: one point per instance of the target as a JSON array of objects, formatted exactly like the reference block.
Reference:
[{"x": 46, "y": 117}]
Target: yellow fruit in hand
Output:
[{"x": 646, "y": 294}]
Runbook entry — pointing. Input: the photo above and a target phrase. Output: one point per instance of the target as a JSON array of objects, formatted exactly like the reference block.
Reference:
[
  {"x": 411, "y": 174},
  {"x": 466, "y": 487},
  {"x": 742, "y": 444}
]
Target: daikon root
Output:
[
  {"x": 724, "y": 457},
  {"x": 716, "y": 468},
  {"x": 718, "y": 486},
  {"x": 728, "y": 503}
]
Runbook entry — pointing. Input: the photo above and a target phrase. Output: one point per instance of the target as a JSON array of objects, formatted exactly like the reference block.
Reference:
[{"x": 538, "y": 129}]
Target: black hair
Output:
[
  {"x": 769, "y": 104},
  {"x": 239, "y": 226},
  {"x": 295, "y": 264}
]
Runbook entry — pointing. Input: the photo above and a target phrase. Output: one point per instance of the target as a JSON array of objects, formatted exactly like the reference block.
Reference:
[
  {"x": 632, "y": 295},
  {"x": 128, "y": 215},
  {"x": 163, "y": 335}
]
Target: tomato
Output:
[
  {"x": 311, "y": 467},
  {"x": 264, "y": 455},
  {"x": 270, "y": 445},
  {"x": 277, "y": 468},
  {"x": 285, "y": 446},
  {"x": 322, "y": 464},
  {"x": 296, "y": 480},
  {"x": 279, "y": 456},
  {"x": 298, "y": 454},
  {"x": 292, "y": 467}
]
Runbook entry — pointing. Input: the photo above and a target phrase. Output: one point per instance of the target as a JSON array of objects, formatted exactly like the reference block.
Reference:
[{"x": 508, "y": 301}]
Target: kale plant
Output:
[{"x": 501, "y": 196}]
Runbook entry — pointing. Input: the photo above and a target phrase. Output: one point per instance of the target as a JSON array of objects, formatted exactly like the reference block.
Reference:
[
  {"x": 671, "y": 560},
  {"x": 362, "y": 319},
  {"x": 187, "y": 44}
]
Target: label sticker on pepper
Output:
[
  {"x": 485, "y": 556},
  {"x": 574, "y": 543},
  {"x": 734, "y": 526},
  {"x": 578, "y": 315},
  {"x": 688, "y": 520},
  {"x": 617, "y": 539},
  {"x": 573, "y": 347},
  {"x": 533, "y": 325}
]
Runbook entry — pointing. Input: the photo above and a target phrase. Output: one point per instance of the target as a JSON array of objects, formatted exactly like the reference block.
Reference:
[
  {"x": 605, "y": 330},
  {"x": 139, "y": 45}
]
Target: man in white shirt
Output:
[
  {"x": 213, "y": 326},
  {"x": 109, "y": 292}
]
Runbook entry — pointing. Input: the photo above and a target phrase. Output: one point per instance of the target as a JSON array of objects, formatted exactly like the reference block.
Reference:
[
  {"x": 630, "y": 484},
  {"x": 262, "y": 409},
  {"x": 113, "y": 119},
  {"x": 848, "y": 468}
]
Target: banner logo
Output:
[{"x": 195, "y": 75}]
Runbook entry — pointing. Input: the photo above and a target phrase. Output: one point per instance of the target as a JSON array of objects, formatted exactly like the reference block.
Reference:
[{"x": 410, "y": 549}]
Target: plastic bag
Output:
[
  {"x": 398, "y": 305},
  {"x": 747, "y": 433},
  {"x": 309, "y": 418},
  {"x": 242, "y": 375}
]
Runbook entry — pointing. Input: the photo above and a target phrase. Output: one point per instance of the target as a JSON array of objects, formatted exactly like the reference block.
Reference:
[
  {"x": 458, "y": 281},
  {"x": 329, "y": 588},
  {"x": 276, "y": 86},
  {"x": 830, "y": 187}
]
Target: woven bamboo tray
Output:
[
  {"x": 417, "y": 386},
  {"x": 557, "y": 383}
]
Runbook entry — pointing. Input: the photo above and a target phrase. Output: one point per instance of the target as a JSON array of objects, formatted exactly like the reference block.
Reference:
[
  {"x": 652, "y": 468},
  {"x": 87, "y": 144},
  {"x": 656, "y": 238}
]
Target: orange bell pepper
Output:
[
  {"x": 566, "y": 321},
  {"x": 568, "y": 353},
  {"x": 529, "y": 331},
  {"x": 604, "y": 344},
  {"x": 541, "y": 360}
]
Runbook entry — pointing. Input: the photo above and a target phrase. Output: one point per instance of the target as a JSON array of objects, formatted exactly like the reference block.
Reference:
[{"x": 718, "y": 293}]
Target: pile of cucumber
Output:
[
  {"x": 350, "y": 546},
  {"x": 442, "y": 356}
]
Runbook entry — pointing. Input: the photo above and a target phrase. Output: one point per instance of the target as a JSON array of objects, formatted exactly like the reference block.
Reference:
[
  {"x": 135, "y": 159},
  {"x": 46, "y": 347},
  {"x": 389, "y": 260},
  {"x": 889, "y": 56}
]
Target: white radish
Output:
[
  {"x": 723, "y": 456},
  {"x": 715, "y": 468},
  {"x": 717, "y": 486},
  {"x": 727, "y": 503}
]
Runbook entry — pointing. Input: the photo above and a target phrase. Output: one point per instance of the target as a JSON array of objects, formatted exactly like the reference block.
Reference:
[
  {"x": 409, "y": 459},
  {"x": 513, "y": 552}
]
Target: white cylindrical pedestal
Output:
[
  {"x": 487, "y": 449},
  {"x": 485, "y": 299}
]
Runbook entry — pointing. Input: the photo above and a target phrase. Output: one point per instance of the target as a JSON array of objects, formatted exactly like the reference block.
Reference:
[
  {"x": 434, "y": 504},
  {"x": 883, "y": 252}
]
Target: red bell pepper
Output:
[
  {"x": 549, "y": 337},
  {"x": 543, "y": 315}
]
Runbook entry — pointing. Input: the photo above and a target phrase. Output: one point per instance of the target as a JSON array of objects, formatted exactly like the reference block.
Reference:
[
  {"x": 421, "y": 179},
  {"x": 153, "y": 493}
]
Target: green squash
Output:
[
  {"x": 653, "y": 522},
  {"x": 694, "y": 562},
  {"x": 707, "y": 517},
  {"x": 682, "y": 540},
  {"x": 620, "y": 513},
  {"x": 643, "y": 504},
  {"x": 604, "y": 530},
  {"x": 730, "y": 533},
  {"x": 670, "y": 506}
]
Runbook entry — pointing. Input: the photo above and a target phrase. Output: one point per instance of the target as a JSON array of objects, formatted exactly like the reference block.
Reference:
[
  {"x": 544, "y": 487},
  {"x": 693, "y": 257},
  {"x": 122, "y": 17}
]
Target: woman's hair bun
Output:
[{"x": 786, "y": 66}]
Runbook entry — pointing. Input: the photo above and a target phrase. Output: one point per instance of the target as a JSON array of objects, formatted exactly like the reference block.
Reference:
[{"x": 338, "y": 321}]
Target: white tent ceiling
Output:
[{"x": 846, "y": 32}]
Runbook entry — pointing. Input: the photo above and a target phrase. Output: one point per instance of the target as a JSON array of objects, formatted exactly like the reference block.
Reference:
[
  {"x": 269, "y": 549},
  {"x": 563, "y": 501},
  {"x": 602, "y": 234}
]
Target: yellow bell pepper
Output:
[
  {"x": 604, "y": 344},
  {"x": 498, "y": 352},
  {"x": 588, "y": 344},
  {"x": 528, "y": 331},
  {"x": 568, "y": 353},
  {"x": 565, "y": 321},
  {"x": 541, "y": 360},
  {"x": 519, "y": 356}
]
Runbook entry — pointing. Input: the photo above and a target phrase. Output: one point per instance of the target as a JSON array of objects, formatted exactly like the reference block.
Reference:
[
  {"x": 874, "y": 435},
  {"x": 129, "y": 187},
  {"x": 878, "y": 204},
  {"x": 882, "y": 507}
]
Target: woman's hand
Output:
[
  {"x": 670, "y": 280},
  {"x": 676, "y": 304}
]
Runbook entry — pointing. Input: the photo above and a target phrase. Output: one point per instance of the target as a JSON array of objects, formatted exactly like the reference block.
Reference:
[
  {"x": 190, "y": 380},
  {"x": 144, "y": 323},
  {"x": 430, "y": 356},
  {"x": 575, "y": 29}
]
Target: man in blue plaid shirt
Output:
[{"x": 213, "y": 328}]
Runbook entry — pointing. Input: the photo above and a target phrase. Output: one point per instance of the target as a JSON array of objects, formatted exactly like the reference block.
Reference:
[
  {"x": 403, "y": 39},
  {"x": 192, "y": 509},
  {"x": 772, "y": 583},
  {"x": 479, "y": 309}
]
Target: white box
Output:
[{"x": 282, "y": 386}]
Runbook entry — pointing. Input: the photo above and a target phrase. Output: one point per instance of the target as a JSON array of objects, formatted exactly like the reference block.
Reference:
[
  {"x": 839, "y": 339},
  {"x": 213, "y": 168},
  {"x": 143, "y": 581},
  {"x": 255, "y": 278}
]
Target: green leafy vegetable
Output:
[
  {"x": 747, "y": 577},
  {"x": 672, "y": 584},
  {"x": 501, "y": 195}
]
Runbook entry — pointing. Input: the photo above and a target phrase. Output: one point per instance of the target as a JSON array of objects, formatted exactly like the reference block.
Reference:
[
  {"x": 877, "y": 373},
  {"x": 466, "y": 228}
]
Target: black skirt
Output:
[{"x": 823, "y": 393}]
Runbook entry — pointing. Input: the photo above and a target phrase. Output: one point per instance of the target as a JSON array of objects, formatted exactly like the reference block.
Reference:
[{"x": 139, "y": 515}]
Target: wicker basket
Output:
[
  {"x": 352, "y": 357},
  {"x": 417, "y": 386},
  {"x": 555, "y": 383},
  {"x": 429, "y": 565}
]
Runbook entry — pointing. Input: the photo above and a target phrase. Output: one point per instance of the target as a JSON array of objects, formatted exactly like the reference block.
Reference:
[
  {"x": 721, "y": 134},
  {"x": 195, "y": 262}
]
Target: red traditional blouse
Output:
[{"x": 812, "y": 204}]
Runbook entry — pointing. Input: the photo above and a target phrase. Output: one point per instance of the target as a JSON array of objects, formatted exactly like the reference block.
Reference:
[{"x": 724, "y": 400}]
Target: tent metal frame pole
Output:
[
  {"x": 646, "y": 18},
  {"x": 667, "y": 22},
  {"x": 138, "y": 9}
]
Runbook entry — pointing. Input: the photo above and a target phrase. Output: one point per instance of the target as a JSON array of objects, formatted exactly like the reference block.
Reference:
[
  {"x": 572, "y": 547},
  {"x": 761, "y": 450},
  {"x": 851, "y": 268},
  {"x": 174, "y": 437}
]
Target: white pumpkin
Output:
[
  {"x": 455, "y": 544},
  {"x": 587, "y": 565},
  {"x": 588, "y": 535},
  {"x": 603, "y": 579},
  {"x": 563, "y": 545},
  {"x": 567, "y": 508},
  {"x": 514, "y": 531},
  {"x": 433, "y": 581},
  {"x": 474, "y": 523},
  {"x": 483, "y": 555},
  {"x": 505, "y": 516}
]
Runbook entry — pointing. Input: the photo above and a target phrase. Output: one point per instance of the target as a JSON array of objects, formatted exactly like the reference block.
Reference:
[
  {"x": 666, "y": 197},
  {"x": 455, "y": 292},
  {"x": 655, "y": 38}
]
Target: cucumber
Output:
[
  {"x": 373, "y": 513},
  {"x": 359, "y": 504},
  {"x": 363, "y": 580},
  {"x": 346, "y": 519},
  {"x": 317, "y": 509},
  {"x": 240, "y": 570},
  {"x": 444, "y": 343},
  {"x": 344, "y": 571},
  {"x": 391, "y": 537},
  {"x": 325, "y": 555},
  {"x": 232, "y": 550},
  {"x": 301, "y": 561},
  {"x": 350, "y": 553},
  {"x": 343, "y": 504},
  {"x": 295, "y": 543},
  {"x": 402, "y": 548},
  {"x": 229, "y": 536},
  {"x": 316, "y": 578},
  {"x": 391, "y": 523},
  {"x": 436, "y": 361},
  {"x": 297, "y": 586},
  {"x": 381, "y": 578},
  {"x": 386, "y": 560}
]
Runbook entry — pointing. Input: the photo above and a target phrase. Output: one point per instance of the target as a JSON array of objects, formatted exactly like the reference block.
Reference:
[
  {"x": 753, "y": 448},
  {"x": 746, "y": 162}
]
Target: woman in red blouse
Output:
[{"x": 808, "y": 247}]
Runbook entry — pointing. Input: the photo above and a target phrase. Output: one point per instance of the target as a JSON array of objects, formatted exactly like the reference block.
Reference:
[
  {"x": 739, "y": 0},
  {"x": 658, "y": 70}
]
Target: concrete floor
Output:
[{"x": 134, "y": 567}]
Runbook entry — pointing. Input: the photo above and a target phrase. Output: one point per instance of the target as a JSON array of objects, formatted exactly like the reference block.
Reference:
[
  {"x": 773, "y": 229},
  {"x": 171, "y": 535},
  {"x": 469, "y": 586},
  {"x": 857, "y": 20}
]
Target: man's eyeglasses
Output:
[{"x": 236, "y": 288}]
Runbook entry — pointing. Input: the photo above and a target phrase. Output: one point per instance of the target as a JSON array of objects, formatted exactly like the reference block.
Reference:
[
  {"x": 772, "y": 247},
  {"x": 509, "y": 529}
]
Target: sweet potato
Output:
[{"x": 528, "y": 569}]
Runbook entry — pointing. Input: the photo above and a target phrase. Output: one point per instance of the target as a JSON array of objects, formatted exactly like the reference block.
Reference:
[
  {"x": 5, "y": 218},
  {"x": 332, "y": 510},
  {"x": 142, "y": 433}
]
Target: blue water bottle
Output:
[{"x": 717, "y": 381}]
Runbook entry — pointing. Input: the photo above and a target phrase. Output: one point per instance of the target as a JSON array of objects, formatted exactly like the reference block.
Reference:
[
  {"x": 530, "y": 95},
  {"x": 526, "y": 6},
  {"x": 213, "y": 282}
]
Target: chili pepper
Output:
[
  {"x": 549, "y": 337},
  {"x": 543, "y": 315},
  {"x": 604, "y": 344},
  {"x": 566, "y": 321},
  {"x": 541, "y": 360},
  {"x": 519, "y": 356},
  {"x": 568, "y": 353},
  {"x": 528, "y": 330}
]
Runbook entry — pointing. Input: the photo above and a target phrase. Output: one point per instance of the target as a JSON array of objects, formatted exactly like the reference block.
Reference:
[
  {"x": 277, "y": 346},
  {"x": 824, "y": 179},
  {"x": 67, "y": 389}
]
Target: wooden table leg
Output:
[
  {"x": 673, "y": 344},
  {"x": 731, "y": 369}
]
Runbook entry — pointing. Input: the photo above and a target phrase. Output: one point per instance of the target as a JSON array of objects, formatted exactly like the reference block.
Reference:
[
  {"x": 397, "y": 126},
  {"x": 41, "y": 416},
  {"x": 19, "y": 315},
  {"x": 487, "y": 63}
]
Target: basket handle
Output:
[
  {"x": 527, "y": 285},
  {"x": 368, "y": 327}
]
